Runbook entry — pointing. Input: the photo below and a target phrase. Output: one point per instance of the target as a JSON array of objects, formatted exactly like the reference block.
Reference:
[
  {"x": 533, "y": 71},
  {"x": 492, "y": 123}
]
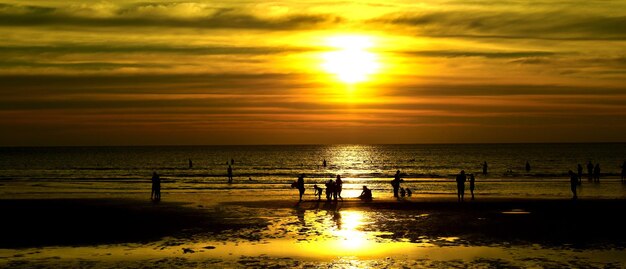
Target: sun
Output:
[{"x": 351, "y": 61}]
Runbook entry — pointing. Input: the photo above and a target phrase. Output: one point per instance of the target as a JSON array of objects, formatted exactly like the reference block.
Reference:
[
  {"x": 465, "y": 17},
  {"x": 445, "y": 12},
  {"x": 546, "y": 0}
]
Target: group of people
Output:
[
  {"x": 333, "y": 188},
  {"x": 156, "y": 187}
]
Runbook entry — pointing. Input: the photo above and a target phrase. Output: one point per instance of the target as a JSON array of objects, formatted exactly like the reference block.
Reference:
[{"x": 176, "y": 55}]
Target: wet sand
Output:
[{"x": 434, "y": 232}]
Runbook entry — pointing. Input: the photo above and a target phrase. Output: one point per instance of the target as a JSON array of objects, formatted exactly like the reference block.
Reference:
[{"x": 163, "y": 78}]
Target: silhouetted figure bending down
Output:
[
  {"x": 366, "y": 194},
  {"x": 485, "y": 168},
  {"x": 573, "y": 182},
  {"x": 460, "y": 185},
  {"x": 300, "y": 186},
  {"x": 156, "y": 187},
  {"x": 318, "y": 192},
  {"x": 408, "y": 192},
  {"x": 230, "y": 174},
  {"x": 472, "y": 180},
  {"x": 590, "y": 171},
  {"x": 596, "y": 173}
]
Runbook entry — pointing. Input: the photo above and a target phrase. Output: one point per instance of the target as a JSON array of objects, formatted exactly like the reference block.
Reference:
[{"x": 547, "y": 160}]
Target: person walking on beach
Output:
[
  {"x": 366, "y": 194},
  {"x": 590, "y": 171},
  {"x": 485, "y": 168},
  {"x": 230, "y": 174},
  {"x": 596, "y": 173},
  {"x": 300, "y": 186},
  {"x": 338, "y": 187},
  {"x": 395, "y": 183},
  {"x": 580, "y": 174},
  {"x": 156, "y": 187},
  {"x": 460, "y": 185},
  {"x": 527, "y": 167},
  {"x": 472, "y": 180},
  {"x": 573, "y": 182}
]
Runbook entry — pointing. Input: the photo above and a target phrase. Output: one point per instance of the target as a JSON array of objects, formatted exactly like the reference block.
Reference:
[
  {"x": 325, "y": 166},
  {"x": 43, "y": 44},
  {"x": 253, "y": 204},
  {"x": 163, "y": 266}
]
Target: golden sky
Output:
[{"x": 293, "y": 72}]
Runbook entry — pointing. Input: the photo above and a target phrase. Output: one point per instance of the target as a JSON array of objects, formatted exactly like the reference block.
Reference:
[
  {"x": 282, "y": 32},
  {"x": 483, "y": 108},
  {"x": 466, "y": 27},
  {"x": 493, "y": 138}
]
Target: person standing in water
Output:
[
  {"x": 590, "y": 171},
  {"x": 472, "y": 180},
  {"x": 596, "y": 173},
  {"x": 338, "y": 187},
  {"x": 156, "y": 187},
  {"x": 300, "y": 186},
  {"x": 573, "y": 182},
  {"x": 485, "y": 168},
  {"x": 190, "y": 164},
  {"x": 324, "y": 163},
  {"x": 395, "y": 183},
  {"x": 230, "y": 174},
  {"x": 460, "y": 185},
  {"x": 527, "y": 167},
  {"x": 580, "y": 174}
]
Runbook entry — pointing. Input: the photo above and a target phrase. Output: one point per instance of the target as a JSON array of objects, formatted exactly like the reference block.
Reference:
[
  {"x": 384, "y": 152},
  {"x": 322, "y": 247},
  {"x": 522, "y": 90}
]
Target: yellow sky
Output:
[{"x": 246, "y": 72}]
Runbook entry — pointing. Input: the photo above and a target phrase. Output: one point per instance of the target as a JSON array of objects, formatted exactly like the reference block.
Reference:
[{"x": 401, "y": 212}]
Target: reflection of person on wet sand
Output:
[
  {"x": 366, "y": 194},
  {"x": 318, "y": 192},
  {"x": 460, "y": 185}
]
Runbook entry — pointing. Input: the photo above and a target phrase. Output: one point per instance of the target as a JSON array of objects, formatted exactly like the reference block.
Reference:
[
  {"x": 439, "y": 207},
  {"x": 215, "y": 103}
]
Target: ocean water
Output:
[{"x": 428, "y": 169}]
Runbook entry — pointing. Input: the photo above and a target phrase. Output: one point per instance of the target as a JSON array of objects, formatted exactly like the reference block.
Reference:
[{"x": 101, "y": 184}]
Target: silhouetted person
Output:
[
  {"x": 590, "y": 171},
  {"x": 230, "y": 174},
  {"x": 596, "y": 173},
  {"x": 330, "y": 188},
  {"x": 460, "y": 185},
  {"x": 338, "y": 187},
  {"x": 527, "y": 167},
  {"x": 471, "y": 181},
  {"x": 232, "y": 161},
  {"x": 318, "y": 192},
  {"x": 395, "y": 183},
  {"x": 190, "y": 164},
  {"x": 324, "y": 163},
  {"x": 485, "y": 168},
  {"x": 366, "y": 194},
  {"x": 623, "y": 174},
  {"x": 408, "y": 192},
  {"x": 573, "y": 182},
  {"x": 580, "y": 174},
  {"x": 402, "y": 192},
  {"x": 300, "y": 186},
  {"x": 156, "y": 187}
]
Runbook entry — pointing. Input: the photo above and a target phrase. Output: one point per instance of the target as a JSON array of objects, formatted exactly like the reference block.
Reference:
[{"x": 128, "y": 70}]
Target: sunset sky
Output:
[{"x": 294, "y": 72}]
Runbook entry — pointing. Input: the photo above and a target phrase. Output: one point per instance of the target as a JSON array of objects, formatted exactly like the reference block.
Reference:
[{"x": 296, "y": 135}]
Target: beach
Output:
[{"x": 229, "y": 231}]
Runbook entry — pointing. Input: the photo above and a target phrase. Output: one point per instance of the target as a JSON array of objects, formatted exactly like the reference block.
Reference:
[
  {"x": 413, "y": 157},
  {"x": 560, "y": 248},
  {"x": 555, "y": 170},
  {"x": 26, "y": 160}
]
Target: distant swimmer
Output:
[
  {"x": 472, "y": 181},
  {"x": 230, "y": 174},
  {"x": 485, "y": 168},
  {"x": 366, "y": 194},
  {"x": 527, "y": 167},
  {"x": 324, "y": 163}
]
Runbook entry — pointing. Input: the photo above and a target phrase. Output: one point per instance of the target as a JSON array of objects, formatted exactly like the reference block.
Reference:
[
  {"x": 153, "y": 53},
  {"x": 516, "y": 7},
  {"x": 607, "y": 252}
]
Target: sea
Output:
[{"x": 427, "y": 169}]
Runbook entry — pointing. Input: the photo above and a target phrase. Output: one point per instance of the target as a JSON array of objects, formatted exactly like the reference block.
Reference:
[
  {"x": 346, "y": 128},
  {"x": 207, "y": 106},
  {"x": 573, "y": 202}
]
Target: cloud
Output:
[
  {"x": 556, "y": 25},
  {"x": 156, "y": 15}
]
